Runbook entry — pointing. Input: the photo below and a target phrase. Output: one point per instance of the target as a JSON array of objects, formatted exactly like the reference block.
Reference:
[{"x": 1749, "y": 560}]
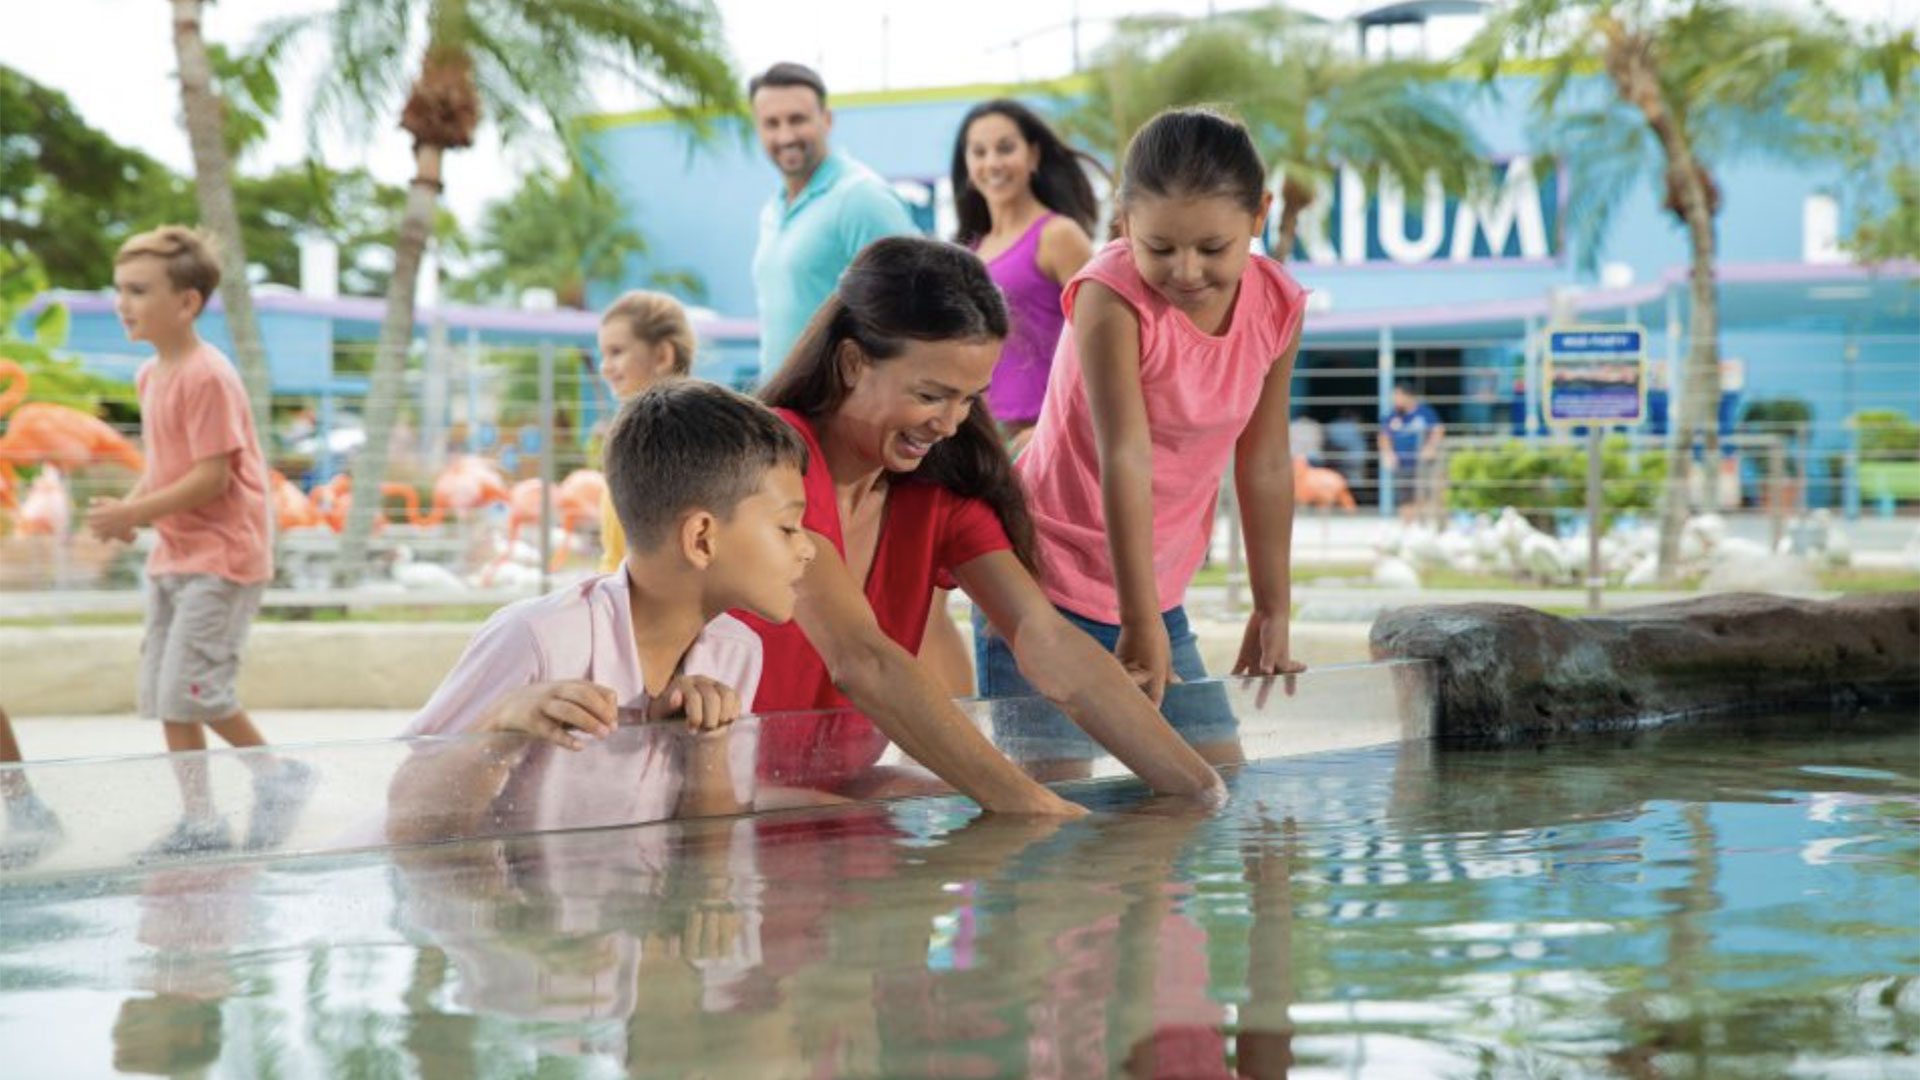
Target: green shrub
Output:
[
  {"x": 1539, "y": 478},
  {"x": 1887, "y": 435}
]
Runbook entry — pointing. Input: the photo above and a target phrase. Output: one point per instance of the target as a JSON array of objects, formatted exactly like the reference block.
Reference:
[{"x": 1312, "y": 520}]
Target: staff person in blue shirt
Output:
[
  {"x": 1409, "y": 451},
  {"x": 829, "y": 207}
]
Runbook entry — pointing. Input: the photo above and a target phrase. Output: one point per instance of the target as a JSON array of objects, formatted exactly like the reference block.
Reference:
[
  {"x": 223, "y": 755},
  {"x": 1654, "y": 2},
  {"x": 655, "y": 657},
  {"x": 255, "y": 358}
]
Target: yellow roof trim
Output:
[{"x": 915, "y": 96}]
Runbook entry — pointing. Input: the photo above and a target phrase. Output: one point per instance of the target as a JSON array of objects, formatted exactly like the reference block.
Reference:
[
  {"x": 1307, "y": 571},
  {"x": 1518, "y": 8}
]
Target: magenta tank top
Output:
[{"x": 1033, "y": 308}]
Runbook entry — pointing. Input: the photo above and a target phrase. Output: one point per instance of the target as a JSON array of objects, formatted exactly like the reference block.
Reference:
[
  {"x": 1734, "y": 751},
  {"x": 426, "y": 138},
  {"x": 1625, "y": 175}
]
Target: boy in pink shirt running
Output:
[{"x": 205, "y": 495}]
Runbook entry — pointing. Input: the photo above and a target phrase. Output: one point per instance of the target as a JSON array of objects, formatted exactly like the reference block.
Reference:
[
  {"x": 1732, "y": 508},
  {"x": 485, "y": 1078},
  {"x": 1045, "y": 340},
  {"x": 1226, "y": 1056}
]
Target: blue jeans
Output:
[{"x": 1200, "y": 713}]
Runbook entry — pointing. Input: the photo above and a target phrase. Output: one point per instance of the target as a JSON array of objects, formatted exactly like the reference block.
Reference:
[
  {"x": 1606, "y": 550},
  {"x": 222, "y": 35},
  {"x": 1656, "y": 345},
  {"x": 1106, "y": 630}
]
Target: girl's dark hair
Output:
[
  {"x": 1197, "y": 152},
  {"x": 1060, "y": 182},
  {"x": 898, "y": 290}
]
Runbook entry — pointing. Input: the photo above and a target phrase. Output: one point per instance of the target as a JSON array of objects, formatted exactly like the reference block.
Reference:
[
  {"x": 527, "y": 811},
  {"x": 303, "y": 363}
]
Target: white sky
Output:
[{"x": 114, "y": 58}]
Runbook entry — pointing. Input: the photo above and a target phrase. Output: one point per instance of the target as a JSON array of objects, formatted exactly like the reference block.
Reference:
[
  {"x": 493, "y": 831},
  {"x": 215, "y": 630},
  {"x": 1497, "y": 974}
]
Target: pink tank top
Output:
[
  {"x": 1200, "y": 391},
  {"x": 1033, "y": 306}
]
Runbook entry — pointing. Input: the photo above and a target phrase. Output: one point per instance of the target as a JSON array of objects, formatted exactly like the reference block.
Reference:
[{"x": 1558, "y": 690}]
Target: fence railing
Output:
[{"x": 485, "y": 430}]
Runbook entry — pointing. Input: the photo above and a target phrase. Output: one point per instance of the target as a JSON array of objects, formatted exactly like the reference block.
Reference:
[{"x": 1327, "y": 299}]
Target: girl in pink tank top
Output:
[{"x": 1178, "y": 361}]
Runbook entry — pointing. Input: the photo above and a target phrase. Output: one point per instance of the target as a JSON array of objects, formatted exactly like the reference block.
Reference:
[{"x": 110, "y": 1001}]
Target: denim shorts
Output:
[{"x": 1199, "y": 713}]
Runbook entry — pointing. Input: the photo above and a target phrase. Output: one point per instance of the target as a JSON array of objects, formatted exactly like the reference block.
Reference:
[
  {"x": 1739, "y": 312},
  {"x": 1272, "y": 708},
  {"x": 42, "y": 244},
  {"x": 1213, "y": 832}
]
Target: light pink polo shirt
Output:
[
  {"x": 190, "y": 411},
  {"x": 1200, "y": 391},
  {"x": 586, "y": 631}
]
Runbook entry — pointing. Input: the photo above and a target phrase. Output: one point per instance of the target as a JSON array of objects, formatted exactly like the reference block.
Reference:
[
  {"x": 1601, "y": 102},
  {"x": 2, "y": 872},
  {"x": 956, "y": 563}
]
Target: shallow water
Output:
[{"x": 1733, "y": 899}]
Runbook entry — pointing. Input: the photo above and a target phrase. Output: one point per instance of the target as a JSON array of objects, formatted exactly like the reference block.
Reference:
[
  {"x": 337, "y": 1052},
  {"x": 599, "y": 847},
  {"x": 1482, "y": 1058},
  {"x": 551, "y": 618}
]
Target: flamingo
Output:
[
  {"x": 47, "y": 509},
  {"x": 291, "y": 507},
  {"x": 575, "y": 500},
  {"x": 1314, "y": 486},
  {"x": 42, "y": 433},
  {"x": 333, "y": 499},
  {"x": 467, "y": 483}
]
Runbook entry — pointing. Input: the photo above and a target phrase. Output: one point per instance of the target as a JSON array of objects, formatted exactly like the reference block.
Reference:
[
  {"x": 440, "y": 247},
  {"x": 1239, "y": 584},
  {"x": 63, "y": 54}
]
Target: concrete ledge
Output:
[
  {"x": 75, "y": 671},
  {"x": 86, "y": 670},
  {"x": 1511, "y": 672}
]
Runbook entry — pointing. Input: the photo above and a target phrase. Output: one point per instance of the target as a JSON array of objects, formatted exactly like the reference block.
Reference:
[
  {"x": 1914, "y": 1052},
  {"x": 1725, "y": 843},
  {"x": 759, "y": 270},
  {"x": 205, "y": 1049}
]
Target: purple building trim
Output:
[{"x": 371, "y": 310}]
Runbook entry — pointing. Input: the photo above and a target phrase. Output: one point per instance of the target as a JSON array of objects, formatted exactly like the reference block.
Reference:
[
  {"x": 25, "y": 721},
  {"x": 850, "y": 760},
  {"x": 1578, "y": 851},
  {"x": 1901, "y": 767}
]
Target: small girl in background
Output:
[
  {"x": 1178, "y": 360},
  {"x": 644, "y": 337}
]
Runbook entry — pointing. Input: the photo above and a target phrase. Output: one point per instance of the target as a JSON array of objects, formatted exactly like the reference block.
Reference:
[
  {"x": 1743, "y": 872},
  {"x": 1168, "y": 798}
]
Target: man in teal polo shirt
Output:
[{"x": 830, "y": 207}]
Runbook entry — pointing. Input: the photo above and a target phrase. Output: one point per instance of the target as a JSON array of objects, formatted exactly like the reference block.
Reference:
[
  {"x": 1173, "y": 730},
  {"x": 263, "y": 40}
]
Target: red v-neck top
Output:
[{"x": 926, "y": 531}]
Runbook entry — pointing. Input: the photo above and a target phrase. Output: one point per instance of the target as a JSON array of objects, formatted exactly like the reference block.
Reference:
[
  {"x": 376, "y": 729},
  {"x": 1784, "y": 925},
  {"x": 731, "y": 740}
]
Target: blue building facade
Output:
[{"x": 1451, "y": 296}]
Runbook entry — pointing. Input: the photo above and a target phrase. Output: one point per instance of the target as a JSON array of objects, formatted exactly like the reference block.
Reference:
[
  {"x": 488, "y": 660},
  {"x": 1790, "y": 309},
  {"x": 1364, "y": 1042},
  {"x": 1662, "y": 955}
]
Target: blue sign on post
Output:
[{"x": 1596, "y": 374}]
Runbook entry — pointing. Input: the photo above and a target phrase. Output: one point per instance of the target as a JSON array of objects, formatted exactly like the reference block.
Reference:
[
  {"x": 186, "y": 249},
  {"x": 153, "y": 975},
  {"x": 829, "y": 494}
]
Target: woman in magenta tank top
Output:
[{"x": 1027, "y": 209}]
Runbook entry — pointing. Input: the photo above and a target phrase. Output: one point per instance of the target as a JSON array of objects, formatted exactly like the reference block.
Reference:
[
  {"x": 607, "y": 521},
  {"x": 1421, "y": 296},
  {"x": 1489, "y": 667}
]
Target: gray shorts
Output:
[{"x": 196, "y": 625}]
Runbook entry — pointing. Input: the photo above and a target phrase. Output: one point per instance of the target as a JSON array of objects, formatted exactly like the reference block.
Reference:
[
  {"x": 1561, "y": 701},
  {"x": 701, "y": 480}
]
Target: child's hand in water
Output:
[
  {"x": 559, "y": 712},
  {"x": 707, "y": 704},
  {"x": 1265, "y": 650}
]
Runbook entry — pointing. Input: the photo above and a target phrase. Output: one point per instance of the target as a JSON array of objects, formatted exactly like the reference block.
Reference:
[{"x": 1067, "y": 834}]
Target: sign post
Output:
[{"x": 1595, "y": 376}]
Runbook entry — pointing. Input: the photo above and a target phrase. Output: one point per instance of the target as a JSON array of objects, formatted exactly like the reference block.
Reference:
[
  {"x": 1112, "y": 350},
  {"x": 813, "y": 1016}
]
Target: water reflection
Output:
[
  {"x": 1728, "y": 901},
  {"x": 191, "y": 924}
]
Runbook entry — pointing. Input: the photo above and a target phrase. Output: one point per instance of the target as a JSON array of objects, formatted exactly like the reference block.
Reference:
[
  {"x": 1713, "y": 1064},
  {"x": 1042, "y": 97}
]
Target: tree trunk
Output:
[
  {"x": 1694, "y": 391},
  {"x": 213, "y": 188},
  {"x": 1294, "y": 198},
  {"x": 1699, "y": 405},
  {"x": 390, "y": 362}
]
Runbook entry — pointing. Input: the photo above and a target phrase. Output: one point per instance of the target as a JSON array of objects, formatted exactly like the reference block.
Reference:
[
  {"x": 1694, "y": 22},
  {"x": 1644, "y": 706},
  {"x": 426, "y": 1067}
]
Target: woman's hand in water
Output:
[
  {"x": 708, "y": 704},
  {"x": 1146, "y": 653},
  {"x": 558, "y": 712}
]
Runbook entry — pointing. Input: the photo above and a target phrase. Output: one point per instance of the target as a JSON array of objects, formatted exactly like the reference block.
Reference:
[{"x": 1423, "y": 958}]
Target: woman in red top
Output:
[{"x": 909, "y": 487}]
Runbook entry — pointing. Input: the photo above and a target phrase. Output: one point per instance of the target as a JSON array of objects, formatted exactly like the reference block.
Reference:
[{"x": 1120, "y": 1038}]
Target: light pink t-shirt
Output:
[
  {"x": 586, "y": 631},
  {"x": 190, "y": 411},
  {"x": 1200, "y": 391}
]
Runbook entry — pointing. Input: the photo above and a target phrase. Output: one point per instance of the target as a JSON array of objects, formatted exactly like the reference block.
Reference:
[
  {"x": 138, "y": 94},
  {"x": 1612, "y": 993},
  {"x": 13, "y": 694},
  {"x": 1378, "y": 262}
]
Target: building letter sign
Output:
[{"x": 1516, "y": 218}]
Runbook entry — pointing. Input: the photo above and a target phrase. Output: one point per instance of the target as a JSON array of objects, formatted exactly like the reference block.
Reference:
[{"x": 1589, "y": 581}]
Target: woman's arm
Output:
[
  {"x": 1071, "y": 669},
  {"x": 891, "y": 688},
  {"x": 1263, "y": 478},
  {"x": 1064, "y": 249},
  {"x": 1107, "y": 333}
]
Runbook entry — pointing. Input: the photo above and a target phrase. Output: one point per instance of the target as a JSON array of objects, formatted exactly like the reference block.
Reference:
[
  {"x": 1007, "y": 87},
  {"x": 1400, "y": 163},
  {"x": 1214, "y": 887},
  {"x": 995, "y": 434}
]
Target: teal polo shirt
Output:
[{"x": 806, "y": 244}]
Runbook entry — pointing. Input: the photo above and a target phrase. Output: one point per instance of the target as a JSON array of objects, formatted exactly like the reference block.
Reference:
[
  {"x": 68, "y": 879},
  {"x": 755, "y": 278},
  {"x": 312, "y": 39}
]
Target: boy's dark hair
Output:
[
  {"x": 1060, "y": 182},
  {"x": 1197, "y": 152},
  {"x": 788, "y": 73},
  {"x": 898, "y": 290},
  {"x": 683, "y": 445}
]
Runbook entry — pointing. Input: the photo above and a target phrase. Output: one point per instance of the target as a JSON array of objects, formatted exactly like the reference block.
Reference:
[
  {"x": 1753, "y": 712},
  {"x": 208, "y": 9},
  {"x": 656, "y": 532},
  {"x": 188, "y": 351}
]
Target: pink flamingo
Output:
[
  {"x": 291, "y": 507},
  {"x": 47, "y": 509},
  {"x": 1313, "y": 486},
  {"x": 42, "y": 433},
  {"x": 576, "y": 499},
  {"x": 467, "y": 483},
  {"x": 333, "y": 499}
]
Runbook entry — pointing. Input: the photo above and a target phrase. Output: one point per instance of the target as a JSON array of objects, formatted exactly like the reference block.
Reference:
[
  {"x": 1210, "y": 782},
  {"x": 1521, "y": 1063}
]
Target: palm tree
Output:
[
  {"x": 1312, "y": 106},
  {"x": 499, "y": 60},
  {"x": 208, "y": 133},
  {"x": 1690, "y": 82},
  {"x": 557, "y": 232}
]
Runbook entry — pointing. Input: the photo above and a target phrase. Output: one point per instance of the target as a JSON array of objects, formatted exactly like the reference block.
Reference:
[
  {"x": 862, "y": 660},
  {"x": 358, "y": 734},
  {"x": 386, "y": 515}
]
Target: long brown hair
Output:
[
  {"x": 901, "y": 289},
  {"x": 1060, "y": 181}
]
